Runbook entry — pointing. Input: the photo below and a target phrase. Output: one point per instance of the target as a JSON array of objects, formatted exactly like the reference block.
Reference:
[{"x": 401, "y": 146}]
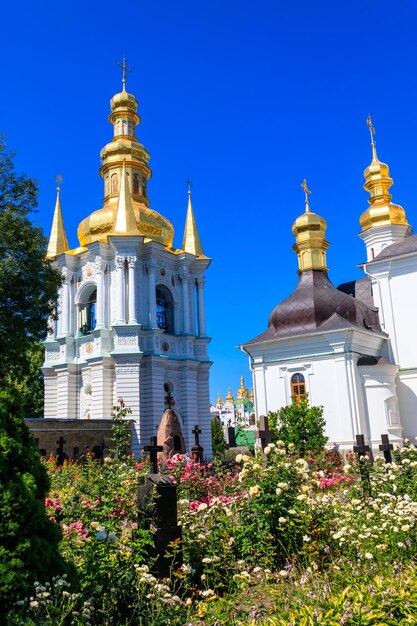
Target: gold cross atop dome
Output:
[
  {"x": 125, "y": 69},
  {"x": 372, "y": 131},
  {"x": 307, "y": 192}
]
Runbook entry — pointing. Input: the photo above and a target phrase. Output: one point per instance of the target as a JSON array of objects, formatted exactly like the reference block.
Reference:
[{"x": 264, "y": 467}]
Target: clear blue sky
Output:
[{"x": 244, "y": 98}]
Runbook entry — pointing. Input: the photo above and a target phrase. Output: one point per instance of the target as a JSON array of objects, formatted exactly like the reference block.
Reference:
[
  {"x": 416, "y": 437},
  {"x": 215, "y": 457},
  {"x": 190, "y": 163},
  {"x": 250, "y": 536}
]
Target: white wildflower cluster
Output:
[{"x": 153, "y": 588}]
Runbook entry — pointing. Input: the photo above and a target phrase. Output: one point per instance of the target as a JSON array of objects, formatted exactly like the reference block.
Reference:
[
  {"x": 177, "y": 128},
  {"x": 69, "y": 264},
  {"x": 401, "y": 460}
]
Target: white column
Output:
[
  {"x": 63, "y": 330},
  {"x": 201, "y": 310},
  {"x": 185, "y": 301},
  {"x": 99, "y": 266},
  {"x": 151, "y": 269},
  {"x": 132, "y": 289},
  {"x": 120, "y": 292},
  {"x": 51, "y": 328}
]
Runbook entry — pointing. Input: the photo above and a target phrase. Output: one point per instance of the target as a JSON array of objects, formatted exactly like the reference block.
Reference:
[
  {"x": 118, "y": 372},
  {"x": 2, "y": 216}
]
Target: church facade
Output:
[
  {"x": 353, "y": 349},
  {"x": 131, "y": 319}
]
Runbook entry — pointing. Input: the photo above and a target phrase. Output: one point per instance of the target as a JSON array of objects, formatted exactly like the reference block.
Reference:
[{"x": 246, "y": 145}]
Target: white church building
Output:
[
  {"x": 131, "y": 322},
  {"x": 353, "y": 349}
]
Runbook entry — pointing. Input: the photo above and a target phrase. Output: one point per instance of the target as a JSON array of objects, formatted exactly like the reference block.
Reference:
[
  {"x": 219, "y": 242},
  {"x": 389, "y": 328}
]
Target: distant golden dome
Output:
[
  {"x": 242, "y": 392},
  {"x": 229, "y": 397}
]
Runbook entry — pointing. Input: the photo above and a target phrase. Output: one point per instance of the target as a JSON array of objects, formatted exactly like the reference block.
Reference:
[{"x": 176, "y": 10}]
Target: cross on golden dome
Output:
[
  {"x": 307, "y": 192},
  {"x": 125, "y": 69},
  {"x": 372, "y": 131}
]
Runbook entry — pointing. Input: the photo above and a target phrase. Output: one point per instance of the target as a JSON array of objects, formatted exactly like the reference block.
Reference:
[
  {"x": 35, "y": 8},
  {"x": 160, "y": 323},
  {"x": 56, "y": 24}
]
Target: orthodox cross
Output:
[
  {"x": 264, "y": 434},
  {"x": 125, "y": 69},
  {"x": 59, "y": 180},
  {"x": 373, "y": 133},
  {"x": 307, "y": 192},
  {"x": 386, "y": 448},
  {"x": 360, "y": 449},
  {"x": 169, "y": 400},
  {"x": 153, "y": 450},
  {"x": 197, "y": 432}
]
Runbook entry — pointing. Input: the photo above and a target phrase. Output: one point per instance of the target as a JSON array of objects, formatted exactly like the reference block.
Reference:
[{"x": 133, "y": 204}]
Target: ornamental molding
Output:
[
  {"x": 119, "y": 262},
  {"x": 126, "y": 339},
  {"x": 51, "y": 355}
]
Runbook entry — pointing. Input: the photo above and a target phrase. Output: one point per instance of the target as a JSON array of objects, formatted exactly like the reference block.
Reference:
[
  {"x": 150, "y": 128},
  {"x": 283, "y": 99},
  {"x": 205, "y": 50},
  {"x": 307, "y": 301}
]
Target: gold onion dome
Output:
[
  {"x": 378, "y": 181},
  {"x": 219, "y": 399},
  {"x": 242, "y": 392},
  {"x": 229, "y": 397},
  {"x": 310, "y": 244},
  {"x": 124, "y": 157}
]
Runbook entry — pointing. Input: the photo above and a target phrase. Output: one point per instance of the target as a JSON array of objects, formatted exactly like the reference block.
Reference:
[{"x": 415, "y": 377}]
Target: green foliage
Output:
[
  {"x": 121, "y": 429},
  {"x": 28, "y": 540},
  {"x": 300, "y": 424},
  {"x": 28, "y": 281},
  {"x": 217, "y": 439}
]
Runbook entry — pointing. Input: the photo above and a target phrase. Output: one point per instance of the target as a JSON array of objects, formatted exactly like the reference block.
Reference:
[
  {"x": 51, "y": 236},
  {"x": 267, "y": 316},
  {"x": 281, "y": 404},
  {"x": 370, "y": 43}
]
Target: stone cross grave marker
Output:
[
  {"x": 264, "y": 434},
  {"x": 197, "y": 450},
  {"x": 386, "y": 447},
  {"x": 60, "y": 452},
  {"x": 153, "y": 450},
  {"x": 361, "y": 449}
]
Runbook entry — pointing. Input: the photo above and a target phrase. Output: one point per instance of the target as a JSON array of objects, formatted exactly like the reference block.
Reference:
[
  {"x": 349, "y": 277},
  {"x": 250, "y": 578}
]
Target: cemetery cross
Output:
[
  {"x": 153, "y": 450},
  {"x": 386, "y": 448}
]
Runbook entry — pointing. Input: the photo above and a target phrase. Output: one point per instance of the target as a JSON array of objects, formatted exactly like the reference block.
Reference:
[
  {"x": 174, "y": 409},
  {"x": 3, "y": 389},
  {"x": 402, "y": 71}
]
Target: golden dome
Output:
[
  {"x": 310, "y": 244},
  {"x": 219, "y": 399},
  {"x": 242, "y": 392},
  {"x": 126, "y": 172},
  {"x": 378, "y": 181},
  {"x": 229, "y": 397}
]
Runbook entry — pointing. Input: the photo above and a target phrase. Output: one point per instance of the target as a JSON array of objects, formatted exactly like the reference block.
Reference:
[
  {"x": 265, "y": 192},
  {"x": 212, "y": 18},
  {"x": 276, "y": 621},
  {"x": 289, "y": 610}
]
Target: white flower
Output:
[
  {"x": 368, "y": 556},
  {"x": 267, "y": 450},
  {"x": 207, "y": 593},
  {"x": 239, "y": 458},
  {"x": 283, "y": 486},
  {"x": 302, "y": 496},
  {"x": 282, "y": 520},
  {"x": 405, "y": 528},
  {"x": 254, "y": 491},
  {"x": 202, "y": 507},
  {"x": 306, "y": 539},
  {"x": 347, "y": 468},
  {"x": 283, "y": 573},
  {"x": 278, "y": 491}
]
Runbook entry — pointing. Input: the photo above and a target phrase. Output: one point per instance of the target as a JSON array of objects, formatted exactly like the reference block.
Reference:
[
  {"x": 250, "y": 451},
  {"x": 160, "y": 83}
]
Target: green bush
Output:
[{"x": 300, "y": 424}]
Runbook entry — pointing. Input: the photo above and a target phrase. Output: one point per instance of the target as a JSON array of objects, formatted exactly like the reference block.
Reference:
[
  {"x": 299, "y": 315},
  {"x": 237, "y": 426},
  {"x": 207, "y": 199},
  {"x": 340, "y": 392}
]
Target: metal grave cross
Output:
[
  {"x": 197, "y": 432},
  {"x": 360, "y": 449},
  {"x": 264, "y": 434},
  {"x": 153, "y": 450},
  {"x": 386, "y": 448}
]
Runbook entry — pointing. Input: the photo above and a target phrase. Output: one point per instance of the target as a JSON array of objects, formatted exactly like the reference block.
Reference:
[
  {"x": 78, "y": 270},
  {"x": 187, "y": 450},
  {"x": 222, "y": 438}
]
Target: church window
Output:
[
  {"x": 164, "y": 309},
  {"x": 135, "y": 183},
  {"x": 114, "y": 183},
  {"x": 298, "y": 385},
  {"x": 124, "y": 127},
  {"x": 144, "y": 187},
  {"x": 87, "y": 320},
  {"x": 106, "y": 186}
]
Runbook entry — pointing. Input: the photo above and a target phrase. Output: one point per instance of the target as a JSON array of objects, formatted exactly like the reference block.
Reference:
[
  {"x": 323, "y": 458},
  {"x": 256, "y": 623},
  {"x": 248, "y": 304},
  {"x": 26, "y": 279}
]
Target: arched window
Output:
[
  {"x": 144, "y": 187},
  {"x": 298, "y": 385},
  {"x": 164, "y": 309},
  {"x": 87, "y": 318},
  {"x": 114, "y": 183},
  {"x": 135, "y": 183}
]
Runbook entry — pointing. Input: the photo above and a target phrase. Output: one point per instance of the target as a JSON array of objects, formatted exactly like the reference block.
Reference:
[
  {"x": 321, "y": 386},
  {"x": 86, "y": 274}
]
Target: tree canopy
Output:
[{"x": 28, "y": 281}]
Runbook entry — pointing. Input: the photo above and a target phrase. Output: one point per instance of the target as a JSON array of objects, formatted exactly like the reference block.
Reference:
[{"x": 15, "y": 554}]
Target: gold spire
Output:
[
  {"x": 229, "y": 397},
  {"x": 191, "y": 242},
  {"x": 125, "y": 222},
  {"x": 219, "y": 399},
  {"x": 309, "y": 230},
  {"x": 378, "y": 181},
  {"x": 58, "y": 239}
]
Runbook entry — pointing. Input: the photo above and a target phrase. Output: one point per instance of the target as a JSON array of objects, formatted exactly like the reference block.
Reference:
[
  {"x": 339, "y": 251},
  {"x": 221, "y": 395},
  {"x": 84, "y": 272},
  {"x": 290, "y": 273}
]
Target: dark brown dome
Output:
[{"x": 314, "y": 302}]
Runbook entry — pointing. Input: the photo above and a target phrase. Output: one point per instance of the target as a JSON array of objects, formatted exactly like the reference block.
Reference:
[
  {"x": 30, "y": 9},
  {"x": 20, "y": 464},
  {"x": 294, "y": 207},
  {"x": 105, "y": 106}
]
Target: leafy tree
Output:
[
  {"x": 217, "y": 438},
  {"x": 121, "y": 429},
  {"x": 300, "y": 424},
  {"x": 28, "y": 281},
  {"x": 28, "y": 286}
]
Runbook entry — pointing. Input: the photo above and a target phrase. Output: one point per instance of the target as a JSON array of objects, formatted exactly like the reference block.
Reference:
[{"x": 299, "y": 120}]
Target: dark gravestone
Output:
[
  {"x": 157, "y": 500},
  {"x": 61, "y": 456},
  {"x": 197, "y": 450},
  {"x": 264, "y": 434},
  {"x": 361, "y": 450},
  {"x": 231, "y": 436},
  {"x": 386, "y": 447}
]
